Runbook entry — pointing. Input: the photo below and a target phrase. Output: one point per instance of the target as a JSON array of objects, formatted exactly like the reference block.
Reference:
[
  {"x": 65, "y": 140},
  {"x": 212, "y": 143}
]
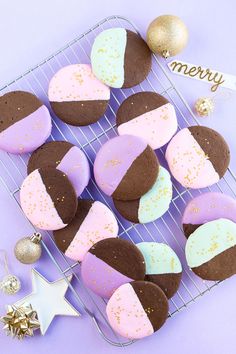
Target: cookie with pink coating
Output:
[
  {"x": 198, "y": 157},
  {"x": 126, "y": 167},
  {"x": 137, "y": 310},
  {"x": 76, "y": 96},
  {"x": 208, "y": 207},
  {"x": 48, "y": 199},
  {"x": 67, "y": 158},
  {"x": 25, "y": 122},
  {"x": 149, "y": 116},
  {"x": 93, "y": 222},
  {"x": 109, "y": 264}
]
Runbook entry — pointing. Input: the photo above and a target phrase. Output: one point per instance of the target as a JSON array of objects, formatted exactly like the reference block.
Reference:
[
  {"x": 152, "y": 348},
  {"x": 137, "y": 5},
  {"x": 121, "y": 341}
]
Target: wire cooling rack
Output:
[{"x": 166, "y": 229}]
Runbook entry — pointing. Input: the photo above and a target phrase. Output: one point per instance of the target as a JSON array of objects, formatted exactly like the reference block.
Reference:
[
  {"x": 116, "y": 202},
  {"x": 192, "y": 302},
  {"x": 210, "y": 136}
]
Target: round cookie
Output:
[
  {"x": 198, "y": 157},
  {"x": 25, "y": 122},
  {"x": 120, "y": 58},
  {"x": 48, "y": 199},
  {"x": 163, "y": 266},
  {"x": 149, "y": 116},
  {"x": 207, "y": 207},
  {"x": 152, "y": 205},
  {"x": 211, "y": 250},
  {"x": 67, "y": 158},
  {"x": 93, "y": 222},
  {"x": 137, "y": 310},
  {"x": 76, "y": 96},
  {"x": 125, "y": 167},
  {"x": 110, "y": 263}
]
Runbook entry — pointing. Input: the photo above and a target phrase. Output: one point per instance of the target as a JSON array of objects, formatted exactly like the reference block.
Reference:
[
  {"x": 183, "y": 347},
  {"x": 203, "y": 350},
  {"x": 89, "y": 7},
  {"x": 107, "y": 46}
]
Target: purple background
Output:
[{"x": 30, "y": 33}]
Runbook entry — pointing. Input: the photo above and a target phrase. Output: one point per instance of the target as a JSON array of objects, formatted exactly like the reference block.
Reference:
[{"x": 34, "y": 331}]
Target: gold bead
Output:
[
  {"x": 204, "y": 106},
  {"x": 10, "y": 284}
]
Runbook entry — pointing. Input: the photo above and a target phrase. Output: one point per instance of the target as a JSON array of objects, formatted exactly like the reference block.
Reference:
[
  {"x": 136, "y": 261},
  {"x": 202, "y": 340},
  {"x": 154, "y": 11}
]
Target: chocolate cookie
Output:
[
  {"x": 149, "y": 116},
  {"x": 137, "y": 310},
  {"x": 125, "y": 167},
  {"x": 120, "y": 58},
  {"x": 48, "y": 199},
  {"x": 110, "y": 263},
  {"x": 211, "y": 250},
  {"x": 198, "y": 157},
  {"x": 67, "y": 158},
  {"x": 25, "y": 122},
  {"x": 163, "y": 266},
  {"x": 207, "y": 207},
  {"x": 76, "y": 96},
  {"x": 93, "y": 222},
  {"x": 152, "y": 205}
]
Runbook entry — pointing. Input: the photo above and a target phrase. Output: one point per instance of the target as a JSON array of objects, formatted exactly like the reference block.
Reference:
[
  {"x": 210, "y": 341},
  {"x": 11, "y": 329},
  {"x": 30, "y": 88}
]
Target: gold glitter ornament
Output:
[
  {"x": 28, "y": 249},
  {"x": 204, "y": 106},
  {"x": 20, "y": 322},
  {"x": 167, "y": 35}
]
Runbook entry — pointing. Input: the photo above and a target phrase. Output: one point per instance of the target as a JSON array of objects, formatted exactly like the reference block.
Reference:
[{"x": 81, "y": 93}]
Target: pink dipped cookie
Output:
[
  {"x": 76, "y": 96},
  {"x": 149, "y": 116},
  {"x": 93, "y": 222},
  {"x": 25, "y": 122},
  {"x": 198, "y": 157},
  {"x": 137, "y": 310}
]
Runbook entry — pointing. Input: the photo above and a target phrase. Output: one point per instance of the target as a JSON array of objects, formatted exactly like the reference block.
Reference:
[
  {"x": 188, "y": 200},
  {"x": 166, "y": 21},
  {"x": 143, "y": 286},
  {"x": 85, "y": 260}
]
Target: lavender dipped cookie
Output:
[
  {"x": 67, "y": 158},
  {"x": 125, "y": 167},
  {"x": 25, "y": 122},
  {"x": 48, "y": 199},
  {"x": 76, "y": 96},
  {"x": 93, "y": 222},
  {"x": 110, "y": 263},
  {"x": 149, "y": 116}
]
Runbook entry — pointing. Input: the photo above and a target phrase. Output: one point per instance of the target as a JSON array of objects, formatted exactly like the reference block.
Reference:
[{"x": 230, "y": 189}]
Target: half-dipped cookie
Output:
[
  {"x": 120, "y": 58},
  {"x": 48, "y": 199},
  {"x": 67, "y": 158},
  {"x": 198, "y": 157},
  {"x": 152, "y": 205},
  {"x": 163, "y": 266},
  {"x": 207, "y": 207},
  {"x": 211, "y": 250},
  {"x": 110, "y": 263},
  {"x": 126, "y": 167},
  {"x": 149, "y": 116},
  {"x": 93, "y": 222},
  {"x": 137, "y": 310},
  {"x": 76, "y": 96},
  {"x": 25, "y": 122}
]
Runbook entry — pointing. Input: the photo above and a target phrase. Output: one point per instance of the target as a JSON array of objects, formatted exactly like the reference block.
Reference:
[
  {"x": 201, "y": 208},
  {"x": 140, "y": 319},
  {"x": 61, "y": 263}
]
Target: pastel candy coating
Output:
[
  {"x": 114, "y": 159},
  {"x": 156, "y": 201},
  {"x": 209, "y": 240},
  {"x": 188, "y": 162},
  {"x": 28, "y": 133},
  {"x": 157, "y": 126},
  {"x": 208, "y": 207},
  {"x": 107, "y": 56},
  {"x": 76, "y": 82},
  {"x": 126, "y": 314},
  {"x": 159, "y": 258}
]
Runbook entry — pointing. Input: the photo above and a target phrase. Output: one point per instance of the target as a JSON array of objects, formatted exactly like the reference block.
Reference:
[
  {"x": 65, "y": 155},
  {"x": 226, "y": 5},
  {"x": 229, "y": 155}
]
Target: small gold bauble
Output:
[
  {"x": 28, "y": 250},
  {"x": 10, "y": 284},
  {"x": 204, "y": 106},
  {"x": 167, "y": 35}
]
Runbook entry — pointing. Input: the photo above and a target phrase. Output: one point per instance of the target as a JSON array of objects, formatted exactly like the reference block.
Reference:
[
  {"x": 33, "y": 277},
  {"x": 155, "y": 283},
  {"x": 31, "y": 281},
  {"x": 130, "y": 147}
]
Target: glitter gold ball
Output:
[
  {"x": 204, "y": 106},
  {"x": 28, "y": 250},
  {"x": 167, "y": 35}
]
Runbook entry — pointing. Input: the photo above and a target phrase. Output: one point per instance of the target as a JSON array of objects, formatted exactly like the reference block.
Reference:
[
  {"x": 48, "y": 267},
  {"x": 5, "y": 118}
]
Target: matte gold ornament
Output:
[
  {"x": 28, "y": 250},
  {"x": 167, "y": 35},
  {"x": 20, "y": 321},
  {"x": 204, "y": 106}
]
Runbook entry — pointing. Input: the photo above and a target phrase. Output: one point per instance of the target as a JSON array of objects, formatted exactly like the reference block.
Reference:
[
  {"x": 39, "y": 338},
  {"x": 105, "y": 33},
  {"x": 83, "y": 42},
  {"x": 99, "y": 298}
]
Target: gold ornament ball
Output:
[
  {"x": 204, "y": 106},
  {"x": 167, "y": 35},
  {"x": 10, "y": 284},
  {"x": 28, "y": 250}
]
